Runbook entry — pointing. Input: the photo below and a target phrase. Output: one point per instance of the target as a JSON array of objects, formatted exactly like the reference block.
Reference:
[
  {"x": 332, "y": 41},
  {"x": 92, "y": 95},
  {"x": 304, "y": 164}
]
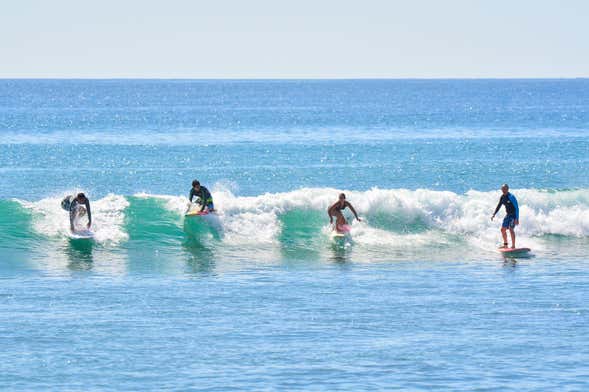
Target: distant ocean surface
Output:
[{"x": 418, "y": 299}]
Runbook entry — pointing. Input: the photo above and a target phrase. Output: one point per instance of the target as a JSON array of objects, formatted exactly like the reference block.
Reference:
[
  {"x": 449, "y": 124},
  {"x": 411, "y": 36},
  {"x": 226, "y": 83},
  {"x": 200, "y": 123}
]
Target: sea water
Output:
[{"x": 418, "y": 297}]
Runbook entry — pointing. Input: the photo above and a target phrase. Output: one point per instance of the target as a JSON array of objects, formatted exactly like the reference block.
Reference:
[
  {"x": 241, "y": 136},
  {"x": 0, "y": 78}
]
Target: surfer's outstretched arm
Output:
[
  {"x": 497, "y": 209},
  {"x": 87, "y": 204},
  {"x": 202, "y": 198},
  {"x": 353, "y": 211}
]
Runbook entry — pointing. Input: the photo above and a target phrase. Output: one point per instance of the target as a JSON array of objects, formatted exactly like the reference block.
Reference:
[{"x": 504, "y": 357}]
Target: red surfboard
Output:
[{"x": 514, "y": 251}]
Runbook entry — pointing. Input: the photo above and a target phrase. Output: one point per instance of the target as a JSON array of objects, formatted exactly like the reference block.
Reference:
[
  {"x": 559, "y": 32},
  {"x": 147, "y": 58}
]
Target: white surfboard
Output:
[
  {"x": 336, "y": 236},
  {"x": 83, "y": 234}
]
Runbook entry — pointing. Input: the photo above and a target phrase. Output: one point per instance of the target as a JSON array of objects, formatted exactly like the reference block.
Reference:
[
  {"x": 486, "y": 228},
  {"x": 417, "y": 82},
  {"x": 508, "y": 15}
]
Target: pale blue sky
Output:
[{"x": 302, "y": 38}]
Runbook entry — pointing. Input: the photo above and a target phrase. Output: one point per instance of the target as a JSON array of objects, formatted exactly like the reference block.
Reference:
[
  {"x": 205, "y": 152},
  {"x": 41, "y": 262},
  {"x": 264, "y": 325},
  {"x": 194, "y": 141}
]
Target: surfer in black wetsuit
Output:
[
  {"x": 77, "y": 206},
  {"x": 512, "y": 218},
  {"x": 204, "y": 196},
  {"x": 336, "y": 210}
]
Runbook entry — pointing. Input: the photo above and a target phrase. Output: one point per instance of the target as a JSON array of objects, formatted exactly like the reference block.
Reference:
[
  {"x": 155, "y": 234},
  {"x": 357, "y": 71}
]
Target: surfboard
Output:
[
  {"x": 514, "y": 251},
  {"x": 196, "y": 212},
  {"x": 340, "y": 234},
  {"x": 338, "y": 239},
  {"x": 210, "y": 218},
  {"x": 82, "y": 234}
]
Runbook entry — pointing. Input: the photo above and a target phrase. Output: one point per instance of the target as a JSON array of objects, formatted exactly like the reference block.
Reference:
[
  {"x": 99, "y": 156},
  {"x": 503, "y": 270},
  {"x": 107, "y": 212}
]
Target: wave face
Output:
[{"x": 394, "y": 220}]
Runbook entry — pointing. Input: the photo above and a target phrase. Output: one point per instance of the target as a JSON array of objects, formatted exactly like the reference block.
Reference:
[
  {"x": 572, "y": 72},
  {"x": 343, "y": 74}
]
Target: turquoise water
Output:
[{"x": 261, "y": 298}]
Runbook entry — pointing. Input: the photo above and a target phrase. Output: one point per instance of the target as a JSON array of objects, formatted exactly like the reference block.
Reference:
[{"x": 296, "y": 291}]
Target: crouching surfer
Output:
[
  {"x": 336, "y": 211},
  {"x": 204, "y": 197},
  {"x": 77, "y": 206}
]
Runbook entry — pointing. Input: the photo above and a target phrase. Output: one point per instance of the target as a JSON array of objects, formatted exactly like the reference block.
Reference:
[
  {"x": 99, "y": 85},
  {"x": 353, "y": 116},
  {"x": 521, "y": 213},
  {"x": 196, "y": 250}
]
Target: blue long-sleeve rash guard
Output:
[{"x": 510, "y": 203}]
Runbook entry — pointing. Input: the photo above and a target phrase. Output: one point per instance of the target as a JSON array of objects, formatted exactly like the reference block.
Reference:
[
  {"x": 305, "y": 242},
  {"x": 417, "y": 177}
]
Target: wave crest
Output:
[{"x": 393, "y": 218}]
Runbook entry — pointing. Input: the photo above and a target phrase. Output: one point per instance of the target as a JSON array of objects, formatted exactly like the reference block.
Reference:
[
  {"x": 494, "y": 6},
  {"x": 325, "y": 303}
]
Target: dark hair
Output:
[
  {"x": 342, "y": 195},
  {"x": 81, "y": 195},
  {"x": 195, "y": 183},
  {"x": 505, "y": 186}
]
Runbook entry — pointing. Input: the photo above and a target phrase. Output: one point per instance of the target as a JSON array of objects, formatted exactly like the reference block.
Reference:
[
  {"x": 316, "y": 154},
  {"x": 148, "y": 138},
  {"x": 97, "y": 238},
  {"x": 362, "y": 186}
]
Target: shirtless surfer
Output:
[{"x": 336, "y": 210}]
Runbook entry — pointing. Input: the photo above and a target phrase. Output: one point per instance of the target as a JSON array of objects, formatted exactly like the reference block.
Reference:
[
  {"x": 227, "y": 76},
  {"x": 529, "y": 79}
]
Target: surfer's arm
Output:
[
  {"x": 497, "y": 209},
  {"x": 353, "y": 211},
  {"x": 89, "y": 212},
  {"x": 191, "y": 195},
  {"x": 202, "y": 197}
]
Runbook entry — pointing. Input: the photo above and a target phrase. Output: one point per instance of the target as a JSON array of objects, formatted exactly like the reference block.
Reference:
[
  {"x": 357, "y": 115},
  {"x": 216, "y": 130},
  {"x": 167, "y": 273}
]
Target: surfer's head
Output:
[
  {"x": 342, "y": 197},
  {"x": 504, "y": 188},
  {"x": 81, "y": 197},
  {"x": 196, "y": 185}
]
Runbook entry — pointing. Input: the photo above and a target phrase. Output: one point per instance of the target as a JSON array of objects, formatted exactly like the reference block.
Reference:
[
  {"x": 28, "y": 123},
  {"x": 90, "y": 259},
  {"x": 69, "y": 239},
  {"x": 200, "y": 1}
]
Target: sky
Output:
[{"x": 294, "y": 39}]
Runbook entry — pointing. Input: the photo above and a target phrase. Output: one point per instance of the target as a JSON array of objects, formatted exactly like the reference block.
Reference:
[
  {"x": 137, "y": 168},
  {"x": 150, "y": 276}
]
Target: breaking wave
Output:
[{"x": 393, "y": 219}]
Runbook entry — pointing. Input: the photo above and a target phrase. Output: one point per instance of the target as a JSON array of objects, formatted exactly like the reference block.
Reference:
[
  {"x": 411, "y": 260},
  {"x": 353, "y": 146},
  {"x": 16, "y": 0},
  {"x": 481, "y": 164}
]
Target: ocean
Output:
[{"x": 417, "y": 298}]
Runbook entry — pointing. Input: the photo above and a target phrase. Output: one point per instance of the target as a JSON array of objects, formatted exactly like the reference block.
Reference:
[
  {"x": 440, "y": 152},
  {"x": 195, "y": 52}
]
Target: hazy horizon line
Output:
[{"x": 295, "y": 78}]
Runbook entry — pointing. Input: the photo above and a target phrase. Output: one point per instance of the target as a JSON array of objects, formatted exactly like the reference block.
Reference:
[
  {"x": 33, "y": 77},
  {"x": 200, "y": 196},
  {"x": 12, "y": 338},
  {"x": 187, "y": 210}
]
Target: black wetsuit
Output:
[
  {"x": 206, "y": 199},
  {"x": 510, "y": 203},
  {"x": 70, "y": 204}
]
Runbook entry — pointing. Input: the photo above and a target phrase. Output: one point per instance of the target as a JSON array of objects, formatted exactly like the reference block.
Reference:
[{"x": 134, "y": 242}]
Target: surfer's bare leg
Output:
[
  {"x": 504, "y": 235},
  {"x": 512, "y": 232}
]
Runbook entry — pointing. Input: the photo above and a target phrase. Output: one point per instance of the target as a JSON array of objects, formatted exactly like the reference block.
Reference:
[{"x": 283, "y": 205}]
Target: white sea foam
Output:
[
  {"x": 393, "y": 219},
  {"x": 414, "y": 217},
  {"x": 50, "y": 220}
]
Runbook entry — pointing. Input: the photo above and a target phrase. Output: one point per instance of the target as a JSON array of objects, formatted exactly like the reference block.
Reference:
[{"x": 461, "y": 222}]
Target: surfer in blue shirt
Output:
[
  {"x": 205, "y": 199},
  {"x": 512, "y": 218},
  {"x": 77, "y": 206},
  {"x": 336, "y": 210}
]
